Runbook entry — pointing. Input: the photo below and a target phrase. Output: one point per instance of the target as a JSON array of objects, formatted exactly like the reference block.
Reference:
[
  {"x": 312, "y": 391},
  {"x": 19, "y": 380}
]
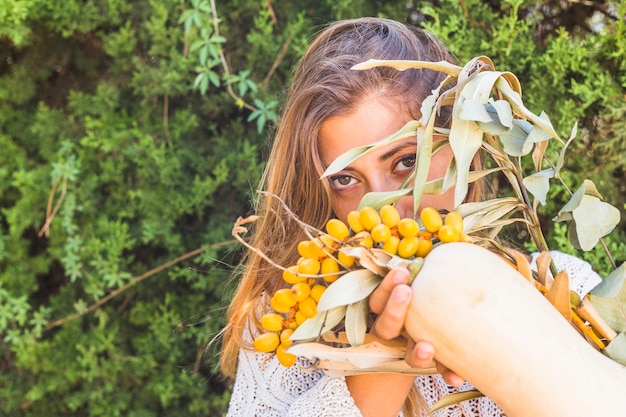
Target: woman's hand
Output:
[{"x": 390, "y": 301}]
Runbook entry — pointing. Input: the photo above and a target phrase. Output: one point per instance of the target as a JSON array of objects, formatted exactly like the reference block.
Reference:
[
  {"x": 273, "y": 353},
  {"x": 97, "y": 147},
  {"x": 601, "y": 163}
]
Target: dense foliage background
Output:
[{"x": 132, "y": 134}]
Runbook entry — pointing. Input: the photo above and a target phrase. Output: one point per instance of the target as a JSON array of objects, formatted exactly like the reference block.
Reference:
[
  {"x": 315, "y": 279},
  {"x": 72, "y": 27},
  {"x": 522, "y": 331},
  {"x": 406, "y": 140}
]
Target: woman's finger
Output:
[
  {"x": 420, "y": 354},
  {"x": 449, "y": 376},
  {"x": 390, "y": 321},
  {"x": 379, "y": 298}
]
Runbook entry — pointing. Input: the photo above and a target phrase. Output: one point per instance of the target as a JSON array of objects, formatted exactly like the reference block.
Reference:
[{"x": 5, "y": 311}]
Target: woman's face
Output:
[{"x": 382, "y": 170}]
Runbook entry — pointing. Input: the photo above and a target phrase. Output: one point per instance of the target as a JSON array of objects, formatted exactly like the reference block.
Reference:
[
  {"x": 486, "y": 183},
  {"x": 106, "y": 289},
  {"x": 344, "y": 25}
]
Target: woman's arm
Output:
[
  {"x": 492, "y": 326},
  {"x": 385, "y": 394}
]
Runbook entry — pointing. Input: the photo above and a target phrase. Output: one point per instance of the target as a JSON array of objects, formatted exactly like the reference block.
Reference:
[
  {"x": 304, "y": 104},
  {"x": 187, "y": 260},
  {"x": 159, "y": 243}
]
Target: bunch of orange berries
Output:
[{"x": 321, "y": 259}]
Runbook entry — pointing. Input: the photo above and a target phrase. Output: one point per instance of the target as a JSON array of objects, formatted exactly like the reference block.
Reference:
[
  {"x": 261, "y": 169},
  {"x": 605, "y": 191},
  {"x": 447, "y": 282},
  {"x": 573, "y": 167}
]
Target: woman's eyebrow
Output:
[{"x": 399, "y": 148}]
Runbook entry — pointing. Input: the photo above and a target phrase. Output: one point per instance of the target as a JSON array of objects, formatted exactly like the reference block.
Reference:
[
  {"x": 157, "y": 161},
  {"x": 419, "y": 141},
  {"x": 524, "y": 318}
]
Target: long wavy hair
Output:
[{"x": 323, "y": 86}]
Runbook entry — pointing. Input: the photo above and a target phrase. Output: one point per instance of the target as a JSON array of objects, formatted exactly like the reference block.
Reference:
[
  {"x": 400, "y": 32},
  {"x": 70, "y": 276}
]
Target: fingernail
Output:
[
  {"x": 424, "y": 353},
  {"x": 399, "y": 276},
  {"x": 401, "y": 294}
]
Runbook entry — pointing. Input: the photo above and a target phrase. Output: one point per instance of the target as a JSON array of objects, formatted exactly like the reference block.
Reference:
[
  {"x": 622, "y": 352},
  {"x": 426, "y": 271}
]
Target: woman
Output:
[{"x": 329, "y": 110}]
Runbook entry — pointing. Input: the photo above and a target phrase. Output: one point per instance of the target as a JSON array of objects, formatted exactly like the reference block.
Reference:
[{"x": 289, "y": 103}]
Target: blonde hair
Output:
[{"x": 323, "y": 86}]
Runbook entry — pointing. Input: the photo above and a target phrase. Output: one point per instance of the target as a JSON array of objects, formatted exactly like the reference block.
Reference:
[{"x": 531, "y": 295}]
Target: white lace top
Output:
[{"x": 264, "y": 388}]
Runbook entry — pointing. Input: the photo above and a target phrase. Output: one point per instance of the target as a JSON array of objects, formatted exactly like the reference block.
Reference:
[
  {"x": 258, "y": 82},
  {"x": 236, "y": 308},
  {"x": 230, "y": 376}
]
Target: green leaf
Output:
[
  {"x": 537, "y": 134},
  {"x": 378, "y": 199},
  {"x": 561, "y": 160},
  {"x": 313, "y": 327},
  {"x": 356, "y": 321},
  {"x": 465, "y": 135},
  {"x": 592, "y": 218},
  {"x": 475, "y": 111},
  {"x": 514, "y": 141},
  {"x": 539, "y": 184},
  {"x": 500, "y": 118},
  {"x": 353, "y": 154},
  {"x": 609, "y": 299},
  {"x": 616, "y": 350},
  {"x": 350, "y": 288}
]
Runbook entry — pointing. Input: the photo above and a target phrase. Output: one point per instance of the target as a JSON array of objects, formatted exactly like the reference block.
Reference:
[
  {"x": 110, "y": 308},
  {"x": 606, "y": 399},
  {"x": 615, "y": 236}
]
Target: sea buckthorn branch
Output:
[{"x": 488, "y": 114}]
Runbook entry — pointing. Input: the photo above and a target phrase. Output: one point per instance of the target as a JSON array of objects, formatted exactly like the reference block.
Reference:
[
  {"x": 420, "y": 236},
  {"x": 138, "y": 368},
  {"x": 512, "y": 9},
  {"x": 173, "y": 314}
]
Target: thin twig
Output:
[
  {"x": 278, "y": 59},
  {"x": 131, "y": 283},
  {"x": 50, "y": 215},
  {"x": 229, "y": 88}
]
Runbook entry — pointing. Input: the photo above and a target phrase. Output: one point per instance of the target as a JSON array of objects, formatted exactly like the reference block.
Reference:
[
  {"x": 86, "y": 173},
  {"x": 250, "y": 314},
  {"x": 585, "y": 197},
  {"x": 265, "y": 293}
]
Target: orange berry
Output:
[
  {"x": 309, "y": 266},
  {"x": 448, "y": 234},
  {"x": 281, "y": 308},
  {"x": 330, "y": 266},
  {"x": 346, "y": 260},
  {"x": 408, "y": 246},
  {"x": 286, "y": 359},
  {"x": 354, "y": 221},
  {"x": 266, "y": 342},
  {"x": 300, "y": 291},
  {"x": 431, "y": 219},
  {"x": 308, "y": 307},
  {"x": 369, "y": 217},
  {"x": 300, "y": 318},
  {"x": 285, "y": 337},
  {"x": 284, "y": 298},
  {"x": 290, "y": 275},
  {"x": 391, "y": 245},
  {"x": 389, "y": 215},
  {"x": 424, "y": 247},
  {"x": 337, "y": 229},
  {"x": 380, "y": 233},
  {"x": 317, "y": 291},
  {"x": 455, "y": 220},
  {"x": 408, "y": 227},
  {"x": 272, "y": 322},
  {"x": 305, "y": 250}
]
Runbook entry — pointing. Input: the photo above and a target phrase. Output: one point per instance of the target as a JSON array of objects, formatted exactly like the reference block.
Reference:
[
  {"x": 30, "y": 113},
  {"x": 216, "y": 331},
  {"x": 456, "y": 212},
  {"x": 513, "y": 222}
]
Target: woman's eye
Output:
[
  {"x": 342, "y": 181},
  {"x": 406, "y": 163}
]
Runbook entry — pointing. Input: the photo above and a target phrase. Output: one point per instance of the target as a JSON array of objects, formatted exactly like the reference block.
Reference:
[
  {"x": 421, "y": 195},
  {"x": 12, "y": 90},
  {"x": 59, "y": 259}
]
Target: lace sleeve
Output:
[
  {"x": 582, "y": 277},
  {"x": 265, "y": 388}
]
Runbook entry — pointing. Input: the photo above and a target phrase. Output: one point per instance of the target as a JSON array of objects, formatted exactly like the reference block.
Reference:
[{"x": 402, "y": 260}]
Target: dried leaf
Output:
[
  {"x": 538, "y": 153},
  {"x": 402, "y": 65},
  {"x": 486, "y": 219},
  {"x": 341, "y": 369},
  {"x": 374, "y": 260},
  {"x": 364, "y": 356},
  {"x": 455, "y": 398},
  {"x": 341, "y": 337},
  {"x": 356, "y": 322},
  {"x": 523, "y": 267},
  {"x": 558, "y": 295},
  {"x": 544, "y": 276},
  {"x": 609, "y": 299},
  {"x": 350, "y": 288}
]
